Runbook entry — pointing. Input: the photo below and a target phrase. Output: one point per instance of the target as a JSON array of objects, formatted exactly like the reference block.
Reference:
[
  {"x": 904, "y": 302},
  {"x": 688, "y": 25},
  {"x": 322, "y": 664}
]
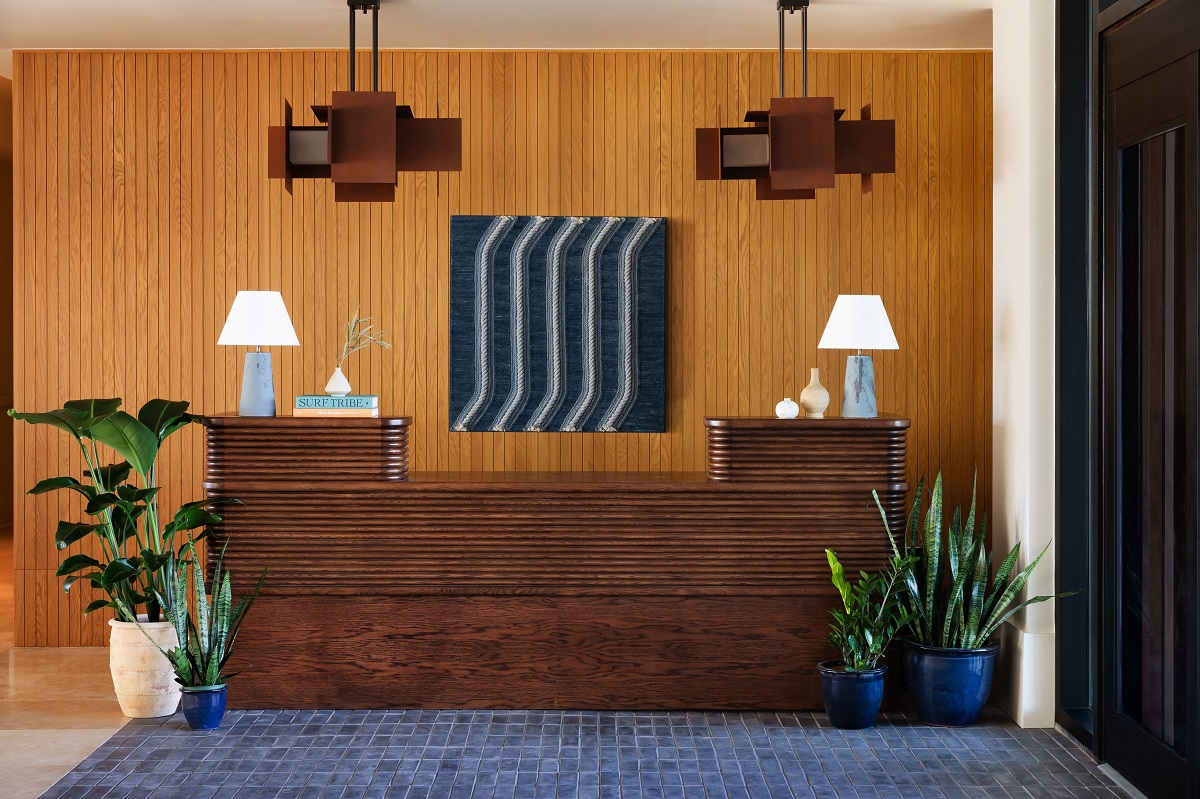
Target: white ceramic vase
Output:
[
  {"x": 815, "y": 397},
  {"x": 787, "y": 409},
  {"x": 338, "y": 385},
  {"x": 142, "y": 676}
]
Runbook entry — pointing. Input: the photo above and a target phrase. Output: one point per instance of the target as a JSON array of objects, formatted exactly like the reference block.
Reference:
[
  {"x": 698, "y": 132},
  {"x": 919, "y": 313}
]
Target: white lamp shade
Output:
[
  {"x": 858, "y": 322},
  {"x": 258, "y": 319}
]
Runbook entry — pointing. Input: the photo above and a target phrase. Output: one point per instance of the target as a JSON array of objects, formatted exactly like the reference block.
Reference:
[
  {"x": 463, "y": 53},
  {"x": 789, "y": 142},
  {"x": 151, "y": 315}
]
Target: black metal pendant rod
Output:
[
  {"x": 782, "y": 71},
  {"x": 804, "y": 49},
  {"x": 375, "y": 48},
  {"x": 363, "y": 5},
  {"x": 353, "y": 47},
  {"x": 790, "y": 7}
]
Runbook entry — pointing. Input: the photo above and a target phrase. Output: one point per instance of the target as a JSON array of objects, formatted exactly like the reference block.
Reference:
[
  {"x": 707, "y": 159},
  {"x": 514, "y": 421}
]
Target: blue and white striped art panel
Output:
[{"x": 557, "y": 323}]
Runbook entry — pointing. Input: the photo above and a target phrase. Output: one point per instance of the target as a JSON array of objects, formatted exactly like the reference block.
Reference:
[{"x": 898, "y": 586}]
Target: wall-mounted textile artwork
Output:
[{"x": 557, "y": 323}]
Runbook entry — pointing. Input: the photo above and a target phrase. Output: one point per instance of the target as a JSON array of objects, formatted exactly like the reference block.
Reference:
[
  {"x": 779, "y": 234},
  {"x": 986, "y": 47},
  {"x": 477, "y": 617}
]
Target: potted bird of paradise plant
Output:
[{"x": 135, "y": 557}]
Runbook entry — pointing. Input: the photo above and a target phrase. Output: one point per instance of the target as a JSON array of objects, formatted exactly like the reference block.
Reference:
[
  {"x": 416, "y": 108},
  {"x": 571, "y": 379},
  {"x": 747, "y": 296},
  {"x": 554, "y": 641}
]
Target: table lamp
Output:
[
  {"x": 859, "y": 322},
  {"x": 258, "y": 319}
]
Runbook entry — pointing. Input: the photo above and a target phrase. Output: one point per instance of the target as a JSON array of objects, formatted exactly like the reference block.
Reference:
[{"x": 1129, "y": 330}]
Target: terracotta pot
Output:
[{"x": 142, "y": 676}]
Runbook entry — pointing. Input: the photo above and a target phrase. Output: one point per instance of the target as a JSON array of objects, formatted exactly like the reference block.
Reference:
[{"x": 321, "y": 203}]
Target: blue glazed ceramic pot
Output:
[
  {"x": 949, "y": 686},
  {"x": 204, "y": 707},
  {"x": 852, "y": 698}
]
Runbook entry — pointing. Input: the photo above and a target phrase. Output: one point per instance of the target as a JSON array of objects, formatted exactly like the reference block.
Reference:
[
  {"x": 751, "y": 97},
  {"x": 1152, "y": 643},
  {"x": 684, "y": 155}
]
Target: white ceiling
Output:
[{"x": 491, "y": 24}]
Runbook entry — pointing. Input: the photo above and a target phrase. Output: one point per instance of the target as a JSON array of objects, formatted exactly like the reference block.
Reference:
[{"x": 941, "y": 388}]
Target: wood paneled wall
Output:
[
  {"x": 6, "y": 297},
  {"x": 143, "y": 206}
]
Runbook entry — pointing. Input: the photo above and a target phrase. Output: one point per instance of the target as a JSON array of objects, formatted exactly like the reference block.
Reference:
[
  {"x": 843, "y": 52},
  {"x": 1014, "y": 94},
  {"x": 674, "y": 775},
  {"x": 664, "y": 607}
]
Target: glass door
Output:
[{"x": 1150, "y": 454}]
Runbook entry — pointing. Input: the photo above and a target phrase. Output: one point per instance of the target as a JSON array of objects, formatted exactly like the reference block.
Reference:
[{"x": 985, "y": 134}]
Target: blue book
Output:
[{"x": 324, "y": 401}]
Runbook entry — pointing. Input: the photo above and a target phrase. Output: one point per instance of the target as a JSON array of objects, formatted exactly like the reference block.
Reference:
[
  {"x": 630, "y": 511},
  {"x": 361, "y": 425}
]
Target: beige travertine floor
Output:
[{"x": 56, "y": 705}]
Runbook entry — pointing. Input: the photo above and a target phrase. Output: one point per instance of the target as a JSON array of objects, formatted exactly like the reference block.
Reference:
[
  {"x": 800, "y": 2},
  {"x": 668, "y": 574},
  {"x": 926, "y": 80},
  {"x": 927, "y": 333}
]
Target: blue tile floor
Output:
[{"x": 429, "y": 754}]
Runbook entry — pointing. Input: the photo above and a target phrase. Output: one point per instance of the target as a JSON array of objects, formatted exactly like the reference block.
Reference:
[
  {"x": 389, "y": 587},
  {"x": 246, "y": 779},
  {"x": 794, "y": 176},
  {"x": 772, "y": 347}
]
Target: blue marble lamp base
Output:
[
  {"x": 858, "y": 394},
  {"x": 258, "y": 386}
]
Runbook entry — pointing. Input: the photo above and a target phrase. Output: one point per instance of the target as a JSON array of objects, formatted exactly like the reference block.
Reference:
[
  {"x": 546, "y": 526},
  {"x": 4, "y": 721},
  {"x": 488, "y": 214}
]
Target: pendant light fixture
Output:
[
  {"x": 364, "y": 138},
  {"x": 801, "y": 143}
]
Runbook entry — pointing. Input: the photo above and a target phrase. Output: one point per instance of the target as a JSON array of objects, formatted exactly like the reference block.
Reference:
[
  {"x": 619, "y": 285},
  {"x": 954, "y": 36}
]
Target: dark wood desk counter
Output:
[{"x": 583, "y": 590}]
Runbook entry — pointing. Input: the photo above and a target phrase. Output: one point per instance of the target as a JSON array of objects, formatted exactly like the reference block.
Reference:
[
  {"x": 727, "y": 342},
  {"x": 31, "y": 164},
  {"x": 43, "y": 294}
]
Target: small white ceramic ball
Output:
[{"x": 787, "y": 409}]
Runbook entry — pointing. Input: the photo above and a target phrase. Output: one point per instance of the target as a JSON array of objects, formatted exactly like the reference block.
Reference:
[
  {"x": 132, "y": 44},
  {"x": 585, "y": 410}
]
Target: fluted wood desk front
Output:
[{"x": 539, "y": 589}]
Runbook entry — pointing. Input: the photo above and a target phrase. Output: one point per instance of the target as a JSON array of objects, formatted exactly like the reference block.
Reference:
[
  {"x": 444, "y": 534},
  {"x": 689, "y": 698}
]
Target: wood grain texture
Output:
[
  {"x": 143, "y": 206},
  {"x": 532, "y": 652},
  {"x": 6, "y": 298},
  {"x": 535, "y": 589},
  {"x": 771, "y": 449},
  {"x": 295, "y": 448}
]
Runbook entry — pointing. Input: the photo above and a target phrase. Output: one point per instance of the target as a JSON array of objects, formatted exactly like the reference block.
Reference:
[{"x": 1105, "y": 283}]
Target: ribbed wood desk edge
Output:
[
  {"x": 234, "y": 421},
  {"x": 840, "y": 423},
  {"x": 532, "y": 589},
  {"x": 756, "y": 449}
]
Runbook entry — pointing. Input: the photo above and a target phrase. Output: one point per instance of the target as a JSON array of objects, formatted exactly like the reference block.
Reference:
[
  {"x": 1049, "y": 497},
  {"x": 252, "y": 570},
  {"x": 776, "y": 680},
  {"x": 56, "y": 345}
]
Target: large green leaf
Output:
[
  {"x": 155, "y": 561},
  {"x": 204, "y": 503},
  {"x": 134, "y": 494},
  {"x": 65, "y": 419},
  {"x": 120, "y": 570},
  {"x": 124, "y": 521},
  {"x": 75, "y": 563},
  {"x": 838, "y": 577},
  {"x": 55, "y": 483},
  {"x": 163, "y": 417},
  {"x": 97, "y": 605},
  {"x": 74, "y": 578},
  {"x": 190, "y": 519},
  {"x": 100, "y": 503},
  {"x": 131, "y": 439},
  {"x": 112, "y": 475},
  {"x": 193, "y": 515},
  {"x": 70, "y": 532},
  {"x": 95, "y": 409}
]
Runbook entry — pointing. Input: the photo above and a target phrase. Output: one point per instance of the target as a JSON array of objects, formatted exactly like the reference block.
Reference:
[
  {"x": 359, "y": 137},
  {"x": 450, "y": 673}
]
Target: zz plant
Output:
[
  {"x": 873, "y": 609},
  {"x": 954, "y": 598},
  {"x": 139, "y": 554}
]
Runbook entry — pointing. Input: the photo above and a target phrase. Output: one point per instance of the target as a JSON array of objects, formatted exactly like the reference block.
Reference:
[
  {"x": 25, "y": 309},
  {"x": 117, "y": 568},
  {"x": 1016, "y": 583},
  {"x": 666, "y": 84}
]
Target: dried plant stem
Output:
[{"x": 360, "y": 335}]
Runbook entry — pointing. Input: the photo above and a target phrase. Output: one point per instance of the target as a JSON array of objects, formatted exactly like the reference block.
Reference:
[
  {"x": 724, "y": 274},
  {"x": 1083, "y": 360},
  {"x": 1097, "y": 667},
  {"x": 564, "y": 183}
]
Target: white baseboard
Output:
[{"x": 1024, "y": 685}]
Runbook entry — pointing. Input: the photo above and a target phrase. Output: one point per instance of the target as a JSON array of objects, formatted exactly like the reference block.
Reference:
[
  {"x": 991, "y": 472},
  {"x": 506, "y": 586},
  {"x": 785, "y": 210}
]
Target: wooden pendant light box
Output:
[{"x": 365, "y": 138}]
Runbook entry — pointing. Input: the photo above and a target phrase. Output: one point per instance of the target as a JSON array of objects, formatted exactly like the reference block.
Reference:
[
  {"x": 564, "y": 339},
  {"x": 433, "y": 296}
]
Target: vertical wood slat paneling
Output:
[
  {"x": 138, "y": 221},
  {"x": 7, "y": 248}
]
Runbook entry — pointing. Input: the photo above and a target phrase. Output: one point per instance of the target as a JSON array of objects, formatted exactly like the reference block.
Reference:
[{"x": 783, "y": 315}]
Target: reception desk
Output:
[{"x": 536, "y": 590}]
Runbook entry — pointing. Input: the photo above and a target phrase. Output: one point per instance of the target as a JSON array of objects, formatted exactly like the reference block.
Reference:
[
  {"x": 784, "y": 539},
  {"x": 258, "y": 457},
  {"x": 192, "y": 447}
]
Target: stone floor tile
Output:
[{"x": 548, "y": 755}]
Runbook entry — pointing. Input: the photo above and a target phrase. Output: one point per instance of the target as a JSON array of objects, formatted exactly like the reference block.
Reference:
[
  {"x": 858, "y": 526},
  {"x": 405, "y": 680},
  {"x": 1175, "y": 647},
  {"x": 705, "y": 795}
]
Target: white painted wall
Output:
[
  {"x": 480, "y": 24},
  {"x": 6, "y": 63},
  {"x": 1023, "y": 340}
]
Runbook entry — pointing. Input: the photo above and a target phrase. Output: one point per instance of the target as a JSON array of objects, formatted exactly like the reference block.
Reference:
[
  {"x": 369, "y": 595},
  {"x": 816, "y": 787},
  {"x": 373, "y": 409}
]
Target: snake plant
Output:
[
  {"x": 208, "y": 630},
  {"x": 955, "y": 599}
]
